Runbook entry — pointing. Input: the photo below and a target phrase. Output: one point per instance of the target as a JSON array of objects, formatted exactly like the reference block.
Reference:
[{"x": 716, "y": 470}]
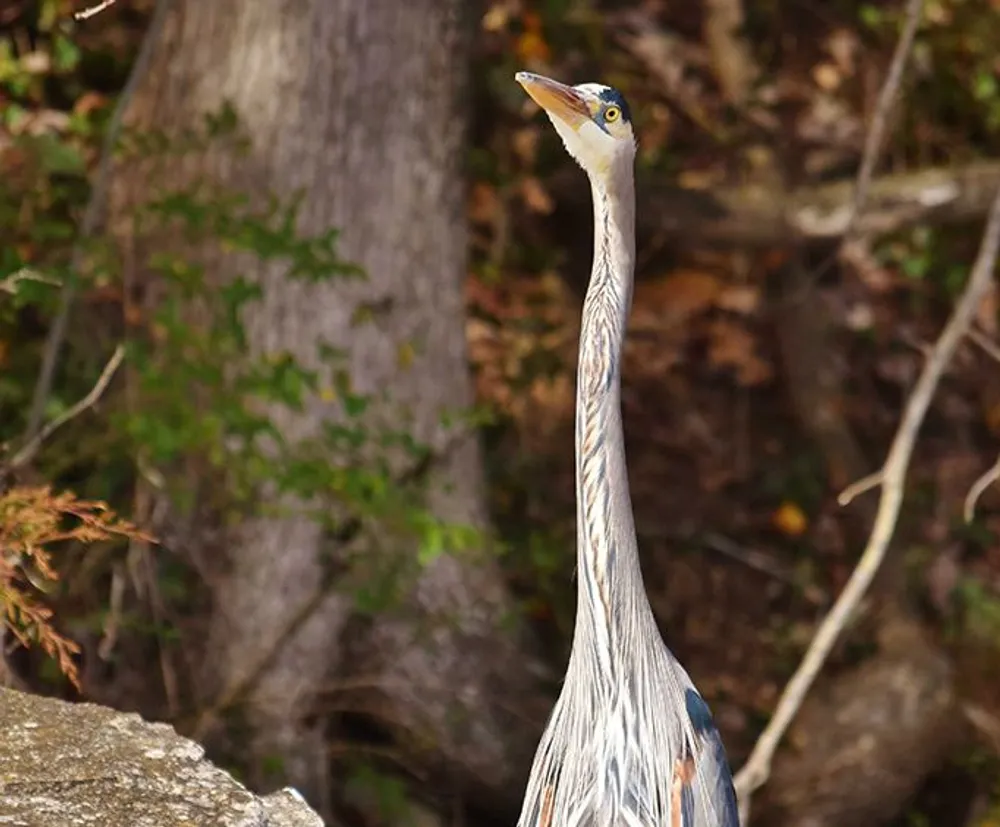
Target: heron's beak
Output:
[{"x": 562, "y": 101}]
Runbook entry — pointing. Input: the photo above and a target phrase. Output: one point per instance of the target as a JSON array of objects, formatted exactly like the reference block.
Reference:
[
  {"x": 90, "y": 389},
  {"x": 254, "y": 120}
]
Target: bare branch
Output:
[
  {"x": 892, "y": 476},
  {"x": 27, "y": 451},
  {"x": 96, "y": 9},
  {"x": 853, "y": 246},
  {"x": 92, "y": 218},
  {"x": 985, "y": 723},
  {"x": 759, "y": 216},
  {"x": 10, "y": 283},
  {"x": 978, "y": 487},
  {"x": 856, "y": 489},
  {"x": 887, "y": 96},
  {"x": 756, "y": 560},
  {"x": 989, "y": 347}
]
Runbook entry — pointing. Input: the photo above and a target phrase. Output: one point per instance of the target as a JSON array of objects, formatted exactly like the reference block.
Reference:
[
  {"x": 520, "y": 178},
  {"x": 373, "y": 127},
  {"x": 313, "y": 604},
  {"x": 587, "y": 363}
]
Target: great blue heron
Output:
[{"x": 630, "y": 742}]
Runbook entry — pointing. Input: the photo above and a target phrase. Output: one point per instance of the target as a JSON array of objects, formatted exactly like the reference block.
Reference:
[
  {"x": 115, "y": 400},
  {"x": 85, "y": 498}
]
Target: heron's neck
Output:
[{"x": 608, "y": 563}]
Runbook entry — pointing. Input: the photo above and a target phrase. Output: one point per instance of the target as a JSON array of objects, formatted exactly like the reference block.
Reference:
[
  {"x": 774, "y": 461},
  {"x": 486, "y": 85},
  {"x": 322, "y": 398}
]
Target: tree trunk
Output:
[{"x": 358, "y": 104}]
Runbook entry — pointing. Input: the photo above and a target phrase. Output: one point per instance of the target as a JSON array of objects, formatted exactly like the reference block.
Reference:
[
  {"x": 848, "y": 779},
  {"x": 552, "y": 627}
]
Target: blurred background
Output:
[{"x": 289, "y": 301}]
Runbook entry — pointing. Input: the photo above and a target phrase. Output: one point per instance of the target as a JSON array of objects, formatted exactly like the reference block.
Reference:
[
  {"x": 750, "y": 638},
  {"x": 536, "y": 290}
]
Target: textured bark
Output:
[{"x": 359, "y": 104}]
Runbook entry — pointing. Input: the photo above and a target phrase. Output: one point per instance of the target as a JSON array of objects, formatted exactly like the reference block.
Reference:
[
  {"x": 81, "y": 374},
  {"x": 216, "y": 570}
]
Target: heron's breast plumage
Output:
[{"x": 614, "y": 755}]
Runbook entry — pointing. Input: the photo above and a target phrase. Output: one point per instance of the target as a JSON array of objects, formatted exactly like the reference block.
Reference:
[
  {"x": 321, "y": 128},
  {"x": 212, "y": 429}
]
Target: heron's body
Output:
[{"x": 630, "y": 742}]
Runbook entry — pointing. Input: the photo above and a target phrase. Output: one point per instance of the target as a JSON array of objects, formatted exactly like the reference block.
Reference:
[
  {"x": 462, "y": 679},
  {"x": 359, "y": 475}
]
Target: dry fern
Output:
[{"x": 32, "y": 521}]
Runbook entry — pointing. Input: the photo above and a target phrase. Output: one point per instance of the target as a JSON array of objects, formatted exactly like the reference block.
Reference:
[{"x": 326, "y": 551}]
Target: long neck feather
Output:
[{"x": 609, "y": 576}]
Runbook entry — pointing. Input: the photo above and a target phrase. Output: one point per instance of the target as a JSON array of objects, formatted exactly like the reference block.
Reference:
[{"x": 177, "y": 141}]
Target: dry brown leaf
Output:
[
  {"x": 941, "y": 579},
  {"x": 490, "y": 298},
  {"x": 484, "y": 203},
  {"x": 134, "y": 315},
  {"x": 43, "y": 122},
  {"x": 531, "y": 46},
  {"x": 859, "y": 317},
  {"x": 743, "y": 299},
  {"x": 732, "y": 346},
  {"x": 828, "y": 120},
  {"x": 676, "y": 298},
  {"x": 535, "y": 197},
  {"x": 986, "y": 313},
  {"x": 551, "y": 286},
  {"x": 554, "y": 395},
  {"x": 88, "y": 102},
  {"x": 700, "y": 179},
  {"x": 842, "y": 46},
  {"x": 525, "y": 144},
  {"x": 497, "y": 17},
  {"x": 941, "y": 14},
  {"x": 992, "y": 418},
  {"x": 36, "y": 63},
  {"x": 867, "y": 267},
  {"x": 651, "y": 359},
  {"x": 827, "y": 76}
]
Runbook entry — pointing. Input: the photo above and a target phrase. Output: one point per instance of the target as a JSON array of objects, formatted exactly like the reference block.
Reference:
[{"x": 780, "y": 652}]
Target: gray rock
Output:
[{"x": 74, "y": 765}]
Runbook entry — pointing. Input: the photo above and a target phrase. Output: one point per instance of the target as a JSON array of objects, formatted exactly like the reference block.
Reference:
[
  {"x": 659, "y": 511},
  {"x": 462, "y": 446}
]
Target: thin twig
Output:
[
  {"x": 887, "y": 96},
  {"x": 9, "y": 284},
  {"x": 859, "y": 487},
  {"x": 984, "y": 722},
  {"x": 91, "y": 221},
  {"x": 756, "y": 560},
  {"x": 986, "y": 343},
  {"x": 758, "y": 767},
  {"x": 112, "y": 623},
  {"x": 27, "y": 451},
  {"x": 851, "y": 247},
  {"x": 978, "y": 487},
  {"x": 91, "y": 11}
]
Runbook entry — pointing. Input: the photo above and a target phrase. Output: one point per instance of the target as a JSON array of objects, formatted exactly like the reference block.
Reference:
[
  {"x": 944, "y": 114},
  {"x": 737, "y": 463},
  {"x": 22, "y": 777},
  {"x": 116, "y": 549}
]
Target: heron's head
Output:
[{"x": 593, "y": 121}]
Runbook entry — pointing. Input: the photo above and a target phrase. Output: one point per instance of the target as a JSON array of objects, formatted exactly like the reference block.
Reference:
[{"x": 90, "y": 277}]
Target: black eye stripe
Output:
[{"x": 612, "y": 97}]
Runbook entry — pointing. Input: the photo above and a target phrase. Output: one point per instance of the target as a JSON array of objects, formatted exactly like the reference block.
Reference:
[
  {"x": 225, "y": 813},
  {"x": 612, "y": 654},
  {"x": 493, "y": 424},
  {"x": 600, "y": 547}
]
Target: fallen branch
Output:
[
  {"x": 27, "y": 451},
  {"x": 892, "y": 476},
  {"x": 758, "y": 216}
]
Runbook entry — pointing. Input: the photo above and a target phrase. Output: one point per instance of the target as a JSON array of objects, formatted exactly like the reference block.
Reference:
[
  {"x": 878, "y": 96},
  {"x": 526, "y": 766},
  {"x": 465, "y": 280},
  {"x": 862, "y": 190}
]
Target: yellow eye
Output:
[{"x": 612, "y": 114}]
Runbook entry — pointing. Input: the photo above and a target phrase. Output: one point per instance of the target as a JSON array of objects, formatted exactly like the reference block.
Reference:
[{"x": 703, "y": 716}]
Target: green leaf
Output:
[
  {"x": 57, "y": 156},
  {"x": 65, "y": 54}
]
